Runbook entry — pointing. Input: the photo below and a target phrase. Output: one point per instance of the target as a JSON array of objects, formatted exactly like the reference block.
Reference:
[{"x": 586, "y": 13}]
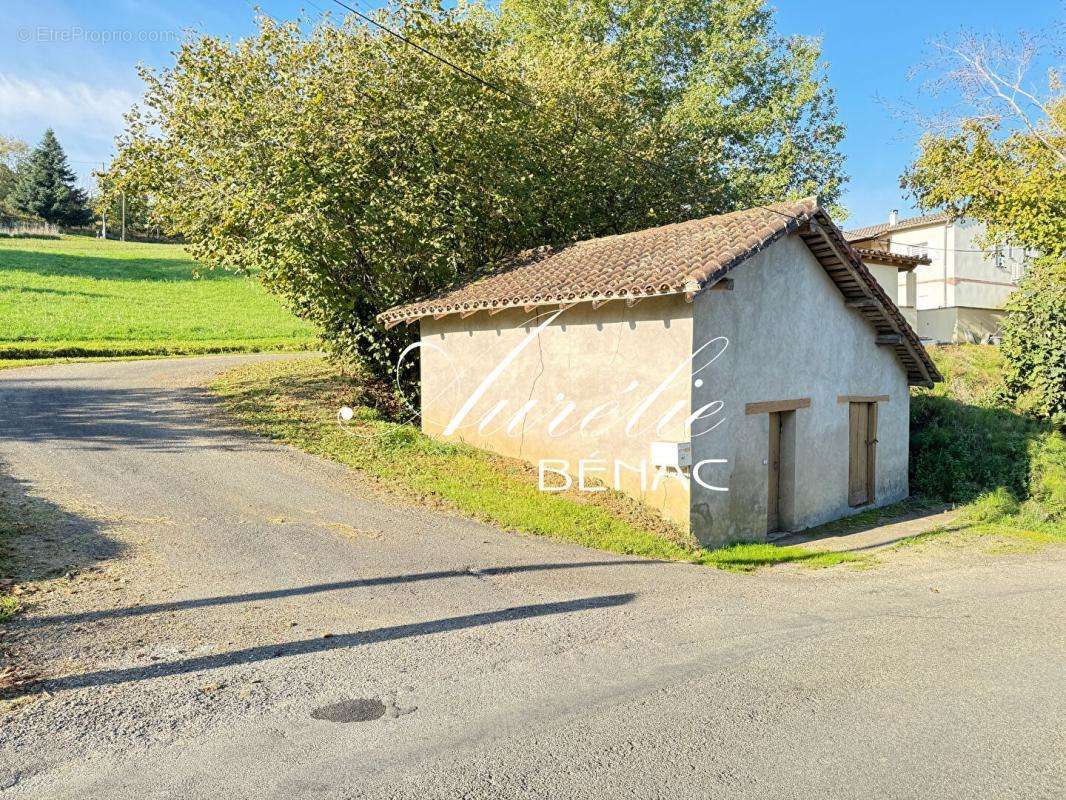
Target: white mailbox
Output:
[{"x": 671, "y": 454}]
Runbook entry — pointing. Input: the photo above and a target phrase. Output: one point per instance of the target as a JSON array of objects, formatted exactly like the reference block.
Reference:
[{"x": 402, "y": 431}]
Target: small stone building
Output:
[{"x": 744, "y": 374}]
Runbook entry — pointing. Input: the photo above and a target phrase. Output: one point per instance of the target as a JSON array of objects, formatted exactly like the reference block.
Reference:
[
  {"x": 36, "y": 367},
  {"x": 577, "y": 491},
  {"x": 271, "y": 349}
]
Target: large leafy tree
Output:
[
  {"x": 750, "y": 113},
  {"x": 1004, "y": 164},
  {"x": 352, "y": 171},
  {"x": 45, "y": 186}
]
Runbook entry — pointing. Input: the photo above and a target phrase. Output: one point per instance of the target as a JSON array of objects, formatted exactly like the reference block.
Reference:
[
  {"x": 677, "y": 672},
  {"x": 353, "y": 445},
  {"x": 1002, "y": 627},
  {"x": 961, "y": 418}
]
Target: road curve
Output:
[{"x": 226, "y": 593}]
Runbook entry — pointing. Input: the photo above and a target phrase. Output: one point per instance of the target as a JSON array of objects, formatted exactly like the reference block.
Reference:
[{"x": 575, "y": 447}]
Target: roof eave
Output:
[{"x": 866, "y": 284}]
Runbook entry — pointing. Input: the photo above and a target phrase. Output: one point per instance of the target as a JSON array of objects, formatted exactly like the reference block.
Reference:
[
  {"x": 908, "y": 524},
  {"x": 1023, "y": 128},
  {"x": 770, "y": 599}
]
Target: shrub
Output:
[
  {"x": 969, "y": 445},
  {"x": 1047, "y": 485},
  {"x": 1034, "y": 341},
  {"x": 993, "y": 506},
  {"x": 959, "y": 451}
]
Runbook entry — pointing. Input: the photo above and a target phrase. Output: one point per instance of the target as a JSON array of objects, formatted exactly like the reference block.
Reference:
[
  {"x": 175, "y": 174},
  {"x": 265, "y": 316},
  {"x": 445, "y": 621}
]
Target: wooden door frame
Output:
[
  {"x": 858, "y": 454},
  {"x": 775, "y": 410},
  {"x": 869, "y": 440},
  {"x": 773, "y": 494},
  {"x": 871, "y": 452}
]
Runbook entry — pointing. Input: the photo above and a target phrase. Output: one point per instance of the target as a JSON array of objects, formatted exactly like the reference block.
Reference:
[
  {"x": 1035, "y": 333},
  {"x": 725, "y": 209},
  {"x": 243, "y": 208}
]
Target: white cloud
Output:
[{"x": 93, "y": 110}]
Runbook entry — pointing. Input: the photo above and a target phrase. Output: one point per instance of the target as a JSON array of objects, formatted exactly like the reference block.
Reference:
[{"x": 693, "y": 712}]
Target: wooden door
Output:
[
  {"x": 773, "y": 500},
  {"x": 862, "y": 453}
]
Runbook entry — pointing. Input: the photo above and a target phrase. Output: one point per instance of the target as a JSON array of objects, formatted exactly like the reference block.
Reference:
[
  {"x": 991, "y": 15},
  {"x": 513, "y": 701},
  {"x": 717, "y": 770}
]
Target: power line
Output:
[
  {"x": 488, "y": 84},
  {"x": 913, "y": 247},
  {"x": 493, "y": 86}
]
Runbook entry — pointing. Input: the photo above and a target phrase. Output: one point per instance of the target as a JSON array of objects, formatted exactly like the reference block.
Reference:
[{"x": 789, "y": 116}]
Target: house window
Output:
[
  {"x": 1017, "y": 269},
  {"x": 921, "y": 249}
]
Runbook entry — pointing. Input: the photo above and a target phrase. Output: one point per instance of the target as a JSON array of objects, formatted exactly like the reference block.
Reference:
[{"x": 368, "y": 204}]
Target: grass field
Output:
[{"x": 82, "y": 297}]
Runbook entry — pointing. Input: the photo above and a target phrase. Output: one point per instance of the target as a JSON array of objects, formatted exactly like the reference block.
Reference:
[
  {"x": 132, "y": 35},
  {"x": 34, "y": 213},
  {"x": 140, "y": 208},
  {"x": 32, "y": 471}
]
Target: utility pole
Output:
[
  {"x": 123, "y": 216},
  {"x": 103, "y": 217}
]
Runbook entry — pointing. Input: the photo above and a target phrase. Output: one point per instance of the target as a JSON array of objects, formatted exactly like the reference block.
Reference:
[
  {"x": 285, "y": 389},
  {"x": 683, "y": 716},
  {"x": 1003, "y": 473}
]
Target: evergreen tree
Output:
[{"x": 45, "y": 186}]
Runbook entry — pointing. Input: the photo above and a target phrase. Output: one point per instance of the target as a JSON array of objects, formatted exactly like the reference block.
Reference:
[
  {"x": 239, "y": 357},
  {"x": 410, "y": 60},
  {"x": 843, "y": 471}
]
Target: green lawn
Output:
[{"x": 82, "y": 297}]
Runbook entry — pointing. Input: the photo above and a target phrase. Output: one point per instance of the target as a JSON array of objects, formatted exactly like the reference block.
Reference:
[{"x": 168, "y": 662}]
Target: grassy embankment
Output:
[
  {"x": 77, "y": 298},
  {"x": 295, "y": 402},
  {"x": 1005, "y": 469}
]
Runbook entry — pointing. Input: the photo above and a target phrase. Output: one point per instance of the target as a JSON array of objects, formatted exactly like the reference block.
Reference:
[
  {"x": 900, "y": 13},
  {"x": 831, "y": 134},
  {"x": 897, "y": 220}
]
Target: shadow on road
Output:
[
  {"x": 39, "y": 539},
  {"x": 41, "y": 410},
  {"x": 299, "y": 591},
  {"x": 250, "y": 655}
]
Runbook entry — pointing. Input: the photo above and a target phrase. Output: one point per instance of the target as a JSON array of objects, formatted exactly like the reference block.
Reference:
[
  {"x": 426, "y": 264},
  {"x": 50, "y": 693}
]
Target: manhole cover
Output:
[{"x": 359, "y": 710}]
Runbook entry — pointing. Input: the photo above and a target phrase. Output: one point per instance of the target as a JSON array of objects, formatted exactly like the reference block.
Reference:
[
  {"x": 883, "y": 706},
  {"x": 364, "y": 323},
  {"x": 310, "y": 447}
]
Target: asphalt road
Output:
[{"x": 226, "y": 593}]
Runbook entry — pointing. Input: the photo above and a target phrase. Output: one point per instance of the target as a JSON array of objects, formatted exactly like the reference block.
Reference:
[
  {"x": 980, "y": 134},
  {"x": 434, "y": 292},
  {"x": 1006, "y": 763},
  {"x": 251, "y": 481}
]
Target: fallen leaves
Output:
[{"x": 351, "y": 531}]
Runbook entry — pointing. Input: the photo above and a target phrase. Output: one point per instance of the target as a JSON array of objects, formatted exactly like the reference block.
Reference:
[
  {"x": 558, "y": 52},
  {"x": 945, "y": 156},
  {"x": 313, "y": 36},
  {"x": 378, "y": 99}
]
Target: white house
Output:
[
  {"x": 959, "y": 289},
  {"x": 743, "y": 373}
]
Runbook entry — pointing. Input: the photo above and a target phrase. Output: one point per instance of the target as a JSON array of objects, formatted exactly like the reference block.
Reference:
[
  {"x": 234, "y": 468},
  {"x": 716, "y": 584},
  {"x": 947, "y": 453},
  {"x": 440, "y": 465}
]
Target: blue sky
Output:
[{"x": 70, "y": 64}]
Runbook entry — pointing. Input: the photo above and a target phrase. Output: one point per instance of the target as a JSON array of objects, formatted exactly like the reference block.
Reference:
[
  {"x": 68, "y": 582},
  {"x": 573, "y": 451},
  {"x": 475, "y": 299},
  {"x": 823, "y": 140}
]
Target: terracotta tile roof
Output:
[
  {"x": 667, "y": 260},
  {"x": 681, "y": 258},
  {"x": 872, "y": 231},
  {"x": 899, "y": 260}
]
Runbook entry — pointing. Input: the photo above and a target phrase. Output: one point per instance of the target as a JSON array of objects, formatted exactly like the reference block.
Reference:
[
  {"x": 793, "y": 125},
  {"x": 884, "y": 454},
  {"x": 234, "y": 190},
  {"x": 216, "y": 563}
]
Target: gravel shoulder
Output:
[{"x": 209, "y": 590}]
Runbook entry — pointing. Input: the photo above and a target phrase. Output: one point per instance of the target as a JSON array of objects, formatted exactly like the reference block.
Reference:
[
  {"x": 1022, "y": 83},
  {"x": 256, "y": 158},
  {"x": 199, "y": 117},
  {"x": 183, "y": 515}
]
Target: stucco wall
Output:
[
  {"x": 910, "y": 313},
  {"x": 888, "y": 277},
  {"x": 974, "y": 324},
  {"x": 616, "y": 354},
  {"x": 957, "y": 324},
  {"x": 960, "y": 274},
  {"x": 907, "y": 296},
  {"x": 933, "y": 289},
  {"x": 790, "y": 336},
  {"x": 981, "y": 280}
]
